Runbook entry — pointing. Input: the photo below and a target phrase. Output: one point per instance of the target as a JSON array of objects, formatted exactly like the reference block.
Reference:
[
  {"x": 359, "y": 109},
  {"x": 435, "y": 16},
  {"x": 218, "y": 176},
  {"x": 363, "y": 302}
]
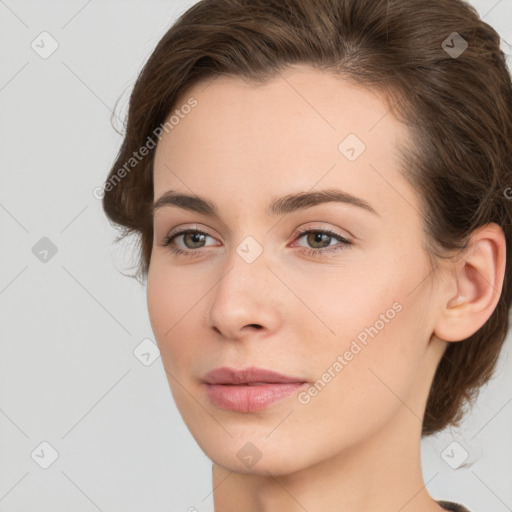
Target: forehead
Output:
[{"x": 300, "y": 128}]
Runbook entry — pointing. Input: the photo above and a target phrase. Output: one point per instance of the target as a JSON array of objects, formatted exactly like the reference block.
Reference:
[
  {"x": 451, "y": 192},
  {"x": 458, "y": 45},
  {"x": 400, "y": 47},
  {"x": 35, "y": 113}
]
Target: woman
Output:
[{"x": 319, "y": 188}]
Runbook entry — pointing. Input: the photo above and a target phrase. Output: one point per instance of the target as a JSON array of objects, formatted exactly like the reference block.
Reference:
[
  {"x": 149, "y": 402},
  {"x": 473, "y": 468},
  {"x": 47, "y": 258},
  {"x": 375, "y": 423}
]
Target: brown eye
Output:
[
  {"x": 318, "y": 241},
  {"x": 193, "y": 239},
  {"x": 318, "y": 237}
]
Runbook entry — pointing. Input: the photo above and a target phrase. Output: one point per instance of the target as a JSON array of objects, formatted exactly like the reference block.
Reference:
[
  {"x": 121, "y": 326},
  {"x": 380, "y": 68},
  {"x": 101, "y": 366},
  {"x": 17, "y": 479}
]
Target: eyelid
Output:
[
  {"x": 183, "y": 230},
  {"x": 343, "y": 241},
  {"x": 186, "y": 227},
  {"x": 313, "y": 226},
  {"x": 297, "y": 232}
]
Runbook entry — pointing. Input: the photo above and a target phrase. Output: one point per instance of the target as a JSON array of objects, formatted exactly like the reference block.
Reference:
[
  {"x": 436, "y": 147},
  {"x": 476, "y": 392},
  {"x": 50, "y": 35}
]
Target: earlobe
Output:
[{"x": 478, "y": 280}]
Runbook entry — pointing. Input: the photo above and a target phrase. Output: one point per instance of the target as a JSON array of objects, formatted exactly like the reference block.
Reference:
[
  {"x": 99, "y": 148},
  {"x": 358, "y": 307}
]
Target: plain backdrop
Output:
[{"x": 86, "y": 423}]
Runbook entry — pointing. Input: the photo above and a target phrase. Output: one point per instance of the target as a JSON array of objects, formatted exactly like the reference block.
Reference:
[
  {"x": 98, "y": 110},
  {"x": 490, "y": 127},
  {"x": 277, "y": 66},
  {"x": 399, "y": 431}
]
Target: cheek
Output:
[
  {"x": 380, "y": 338},
  {"x": 167, "y": 301},
  {"x": 159, "y": 302},
  {"x": 175, "y": 302},
  {"x": 363, "y": 386}
]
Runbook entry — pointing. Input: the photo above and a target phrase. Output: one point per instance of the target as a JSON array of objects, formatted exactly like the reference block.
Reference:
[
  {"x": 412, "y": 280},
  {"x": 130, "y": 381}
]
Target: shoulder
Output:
[{"x": 454, "y": 507}]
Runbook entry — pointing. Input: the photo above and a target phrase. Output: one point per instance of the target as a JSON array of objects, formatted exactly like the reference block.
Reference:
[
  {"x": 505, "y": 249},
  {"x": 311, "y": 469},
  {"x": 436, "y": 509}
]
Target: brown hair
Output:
[{"x": 458, "y": 108}]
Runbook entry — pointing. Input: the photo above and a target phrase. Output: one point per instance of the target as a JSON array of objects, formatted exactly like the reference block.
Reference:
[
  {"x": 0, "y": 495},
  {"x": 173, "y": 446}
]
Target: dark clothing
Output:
[{"x": 454, "y": 507}]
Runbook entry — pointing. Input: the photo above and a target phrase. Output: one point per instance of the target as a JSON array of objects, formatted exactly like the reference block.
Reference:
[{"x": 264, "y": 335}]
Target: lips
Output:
[
  {"x": 248, "y": 376},
  {"x": 249, "y": 390}
]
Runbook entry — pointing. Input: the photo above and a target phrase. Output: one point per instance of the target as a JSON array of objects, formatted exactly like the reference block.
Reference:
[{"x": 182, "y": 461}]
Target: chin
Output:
[
  {"x": 275, "y": 464},
  {"x": 251, "y": 452}
]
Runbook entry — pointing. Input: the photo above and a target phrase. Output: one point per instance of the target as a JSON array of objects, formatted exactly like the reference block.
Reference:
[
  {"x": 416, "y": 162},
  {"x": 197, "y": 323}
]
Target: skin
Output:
[{"x": 356, "y": 445}]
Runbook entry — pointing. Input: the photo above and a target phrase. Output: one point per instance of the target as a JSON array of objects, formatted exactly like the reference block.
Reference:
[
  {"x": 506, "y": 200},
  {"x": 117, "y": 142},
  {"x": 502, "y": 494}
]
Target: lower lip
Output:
[{"x": 250, "y": 398}]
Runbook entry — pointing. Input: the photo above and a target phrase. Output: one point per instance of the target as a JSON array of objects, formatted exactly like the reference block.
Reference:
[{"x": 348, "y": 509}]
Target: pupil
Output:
[
  {"x": 317, "y": 237},
  {"x": 196, "y": 237}
]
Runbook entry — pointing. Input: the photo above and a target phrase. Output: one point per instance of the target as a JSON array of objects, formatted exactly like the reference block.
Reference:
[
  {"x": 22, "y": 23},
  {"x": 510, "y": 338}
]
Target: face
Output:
[{"x": 331, "y": 290}]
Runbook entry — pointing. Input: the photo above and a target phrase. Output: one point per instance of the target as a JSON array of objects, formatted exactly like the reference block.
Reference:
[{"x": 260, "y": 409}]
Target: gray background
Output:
[{"x": 69, "y": 327}]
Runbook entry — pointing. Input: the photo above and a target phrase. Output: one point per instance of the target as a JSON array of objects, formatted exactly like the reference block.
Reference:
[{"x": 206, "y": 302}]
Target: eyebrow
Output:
[{"x": 280, "y": 206}]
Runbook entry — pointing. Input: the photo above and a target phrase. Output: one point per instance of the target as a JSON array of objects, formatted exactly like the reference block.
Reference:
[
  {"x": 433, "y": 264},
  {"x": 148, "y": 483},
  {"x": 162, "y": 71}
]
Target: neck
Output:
[{"x": 382, "y": 475}]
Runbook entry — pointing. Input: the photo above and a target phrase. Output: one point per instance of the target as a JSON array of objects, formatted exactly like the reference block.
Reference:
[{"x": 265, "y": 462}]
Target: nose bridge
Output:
[
  {"x": 246, "y": 273},
  {"x": 242, "y": 296},
  {"x": 247, "y": 259}
]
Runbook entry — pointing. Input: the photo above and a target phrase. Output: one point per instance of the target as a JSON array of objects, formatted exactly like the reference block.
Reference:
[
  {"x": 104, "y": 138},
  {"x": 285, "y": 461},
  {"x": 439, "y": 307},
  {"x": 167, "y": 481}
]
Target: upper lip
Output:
[{"x": 252, "y": 374}]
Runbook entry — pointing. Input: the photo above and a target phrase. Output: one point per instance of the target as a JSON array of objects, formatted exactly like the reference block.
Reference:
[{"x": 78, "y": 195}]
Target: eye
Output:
[
  {"x": 320, "y": 240},
  {"x": 193, "y": 239}
]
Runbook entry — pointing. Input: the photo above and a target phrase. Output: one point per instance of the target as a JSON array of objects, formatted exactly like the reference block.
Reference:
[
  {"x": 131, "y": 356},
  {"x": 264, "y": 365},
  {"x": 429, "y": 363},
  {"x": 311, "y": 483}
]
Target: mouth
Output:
[
  {"x": 251, "y": 375},
  {"x": 249, "y": 390},
  {"x": 248, "y": 384},
  {"x": 250, "y": 397}
]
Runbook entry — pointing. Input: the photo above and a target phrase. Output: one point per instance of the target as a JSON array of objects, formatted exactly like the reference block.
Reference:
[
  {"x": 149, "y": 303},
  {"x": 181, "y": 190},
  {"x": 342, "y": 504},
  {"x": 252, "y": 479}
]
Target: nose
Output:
[{"x": 245, "y": 300}]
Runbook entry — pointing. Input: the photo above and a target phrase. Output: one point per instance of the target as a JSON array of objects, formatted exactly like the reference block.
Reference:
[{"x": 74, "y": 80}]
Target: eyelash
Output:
[{"x": 309, "y": 252}]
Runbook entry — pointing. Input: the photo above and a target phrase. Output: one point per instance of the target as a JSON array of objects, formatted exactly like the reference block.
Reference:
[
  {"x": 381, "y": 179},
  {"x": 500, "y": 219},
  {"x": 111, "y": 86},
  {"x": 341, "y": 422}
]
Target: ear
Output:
[{"x": 477, "y": 278}]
